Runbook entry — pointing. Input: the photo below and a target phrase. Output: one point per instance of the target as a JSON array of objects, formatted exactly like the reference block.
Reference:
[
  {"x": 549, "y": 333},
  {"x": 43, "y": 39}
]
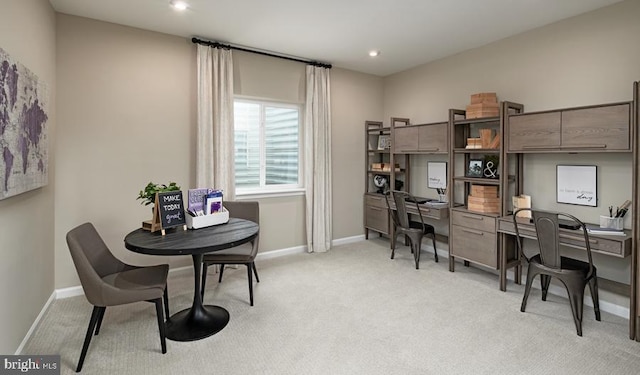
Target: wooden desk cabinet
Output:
[
  {"x": 376, "y": 215},
  {"x": 473, "y": 238},
  {"x": 427, "y": 138},
  {"x": 604, "y": 128}
]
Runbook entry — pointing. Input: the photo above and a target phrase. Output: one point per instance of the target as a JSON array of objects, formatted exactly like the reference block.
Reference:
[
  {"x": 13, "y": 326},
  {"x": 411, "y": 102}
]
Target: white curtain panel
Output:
[
  {"x": 317, "y": 159},
  {"x": 215, "y": 148}
]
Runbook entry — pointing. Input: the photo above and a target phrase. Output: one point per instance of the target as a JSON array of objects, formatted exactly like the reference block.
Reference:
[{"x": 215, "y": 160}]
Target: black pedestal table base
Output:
[
  {"x": 190, "y": 324},
  {"x": 199, "y": 321}
]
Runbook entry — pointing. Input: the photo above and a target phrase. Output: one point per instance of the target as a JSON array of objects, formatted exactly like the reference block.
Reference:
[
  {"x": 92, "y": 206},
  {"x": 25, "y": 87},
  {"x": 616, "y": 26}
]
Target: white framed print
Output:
[
  {"x": 577, "y": 184},
  {"x": 437, "y": 175}
]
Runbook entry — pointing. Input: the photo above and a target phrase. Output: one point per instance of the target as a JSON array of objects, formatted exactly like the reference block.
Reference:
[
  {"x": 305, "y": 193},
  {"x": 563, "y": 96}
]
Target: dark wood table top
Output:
[{"x": 197, "y": 241}]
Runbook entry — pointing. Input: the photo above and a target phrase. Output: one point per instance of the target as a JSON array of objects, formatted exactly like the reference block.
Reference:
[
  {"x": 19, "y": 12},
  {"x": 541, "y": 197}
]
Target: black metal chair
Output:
[
  {"x": 245, "y": 254},
  {"x": 574, "y": 274},
  {"x": 107, "y": 281},
  {"x": 413, "y": 230}
]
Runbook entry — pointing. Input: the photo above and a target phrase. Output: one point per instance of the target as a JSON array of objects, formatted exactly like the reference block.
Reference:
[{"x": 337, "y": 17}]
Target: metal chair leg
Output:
[
  {"x": 165, "y": 297},
  {"x": 255, "y": 271},
  {"x": 95, "y": 314},
  {"x": 593, "y": 288},
  {"x": 99, "y": 324},
  {"x": 250, "y": 277},
  {"x": 163, "y": 341},
  {"x": 204, "y": 279},
  {"x": 435, "y": 251},
  {"x": 221, "y": 270}
]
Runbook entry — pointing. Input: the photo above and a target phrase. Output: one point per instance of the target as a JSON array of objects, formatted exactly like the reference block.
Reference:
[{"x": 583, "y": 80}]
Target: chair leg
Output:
[
  {"x": 545, "y": 281},
  {"x": 435, "y": 251},
  {"x": 204, "y": 279},
  {"x": 97, "y": 311},
  {"x": 221, "y": 270},
  {"x": 250, "y": 277},
  {"x": 576, "y": 297},
  {"x": 593, "y": 288},
  {"x": 165, "y": 297},
  {"x": 99, "y": 324},
  {"x": 527, "y": 289},
  {"x": 255, "y": 271},
  {"x": 415, "y": 249},
  {"x": 163, "y": 341}
]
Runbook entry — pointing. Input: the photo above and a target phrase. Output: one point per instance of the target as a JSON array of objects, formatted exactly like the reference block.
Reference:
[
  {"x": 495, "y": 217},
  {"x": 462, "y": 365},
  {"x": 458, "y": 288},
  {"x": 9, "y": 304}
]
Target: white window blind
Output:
[{"x": 267, "y": 146}]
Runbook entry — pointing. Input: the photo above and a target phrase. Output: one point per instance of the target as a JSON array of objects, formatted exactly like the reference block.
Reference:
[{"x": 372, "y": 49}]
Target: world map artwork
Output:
[{"x": 23, "y": 128}]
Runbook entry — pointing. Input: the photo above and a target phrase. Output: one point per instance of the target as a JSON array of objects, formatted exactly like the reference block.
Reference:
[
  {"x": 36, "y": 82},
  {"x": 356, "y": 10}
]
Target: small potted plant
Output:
[{"x": 148, "y": 195}]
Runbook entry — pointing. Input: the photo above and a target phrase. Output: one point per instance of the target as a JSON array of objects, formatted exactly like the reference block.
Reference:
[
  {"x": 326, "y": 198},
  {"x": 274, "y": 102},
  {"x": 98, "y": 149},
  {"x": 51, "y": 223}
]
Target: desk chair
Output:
[
  {"x": 238, "y": 255},
  {"x": 107, "y": 281},
  {"x": 574, "y": 274},
  {"x": 412, "y": 230}
]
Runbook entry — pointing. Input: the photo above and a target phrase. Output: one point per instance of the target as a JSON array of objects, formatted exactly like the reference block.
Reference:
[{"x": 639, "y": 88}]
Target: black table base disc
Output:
[{"x": 190, "y": 324}]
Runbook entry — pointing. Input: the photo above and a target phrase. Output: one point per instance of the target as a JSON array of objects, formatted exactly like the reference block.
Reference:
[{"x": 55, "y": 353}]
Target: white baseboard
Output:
[
  {"x": 35, "y": 323},
  {"x": 347, "y": 240},
  {"x": 282, "y": 252}
]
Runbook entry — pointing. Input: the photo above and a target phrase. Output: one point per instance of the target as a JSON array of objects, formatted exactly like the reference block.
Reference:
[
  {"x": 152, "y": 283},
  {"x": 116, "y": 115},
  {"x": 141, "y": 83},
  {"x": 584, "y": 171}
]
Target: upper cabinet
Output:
[
  {"x": 425, "y": 138},
  {"x": 604, "y": 128}
]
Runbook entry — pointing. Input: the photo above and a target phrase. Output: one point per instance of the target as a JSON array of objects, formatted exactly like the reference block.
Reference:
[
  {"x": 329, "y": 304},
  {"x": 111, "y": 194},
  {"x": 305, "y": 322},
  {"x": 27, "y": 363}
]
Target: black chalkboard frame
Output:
[{"x": 170, "y": 208}]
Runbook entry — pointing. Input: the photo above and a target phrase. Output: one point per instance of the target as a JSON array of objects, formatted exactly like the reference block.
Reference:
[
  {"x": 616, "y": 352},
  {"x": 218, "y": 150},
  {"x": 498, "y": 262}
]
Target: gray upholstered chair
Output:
[
  {"x": 243, "y": 255},
  {"x": 574, "y": 274},
  {"x": 107, "y": 281},
  {"x": 413, "y": 230}
]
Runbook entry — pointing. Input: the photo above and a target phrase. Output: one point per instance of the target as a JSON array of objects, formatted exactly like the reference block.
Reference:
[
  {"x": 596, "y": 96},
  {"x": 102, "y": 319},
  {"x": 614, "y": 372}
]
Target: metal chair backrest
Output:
[
  {"x": 401, "y": 208},
  {"x": 548, "y": 234}
]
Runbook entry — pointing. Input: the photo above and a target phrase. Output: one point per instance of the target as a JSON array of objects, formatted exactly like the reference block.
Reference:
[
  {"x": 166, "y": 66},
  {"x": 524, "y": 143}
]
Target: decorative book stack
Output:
[
  {"x": 484, "y": 104},
  {"x": 484, "y": 199}
]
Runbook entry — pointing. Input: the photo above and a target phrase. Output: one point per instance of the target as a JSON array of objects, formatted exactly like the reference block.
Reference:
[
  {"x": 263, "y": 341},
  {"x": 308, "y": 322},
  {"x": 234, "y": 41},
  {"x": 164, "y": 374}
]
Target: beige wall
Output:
[
  {"x": 588, "y": 59},
  {"x": 355, "y": 98},
  {"x": 127, "y": 116},
  {"x": 27, "y": 34}
]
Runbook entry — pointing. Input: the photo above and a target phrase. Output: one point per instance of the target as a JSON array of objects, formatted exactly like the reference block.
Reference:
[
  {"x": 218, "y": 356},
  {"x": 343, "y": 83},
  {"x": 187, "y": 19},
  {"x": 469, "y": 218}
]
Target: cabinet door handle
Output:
[
  {"x": 472, "y": 217},
  {"x": 473, "y": 232},
  {"x": 540, "y": 147},
  {"x": 585, "y": 146}
]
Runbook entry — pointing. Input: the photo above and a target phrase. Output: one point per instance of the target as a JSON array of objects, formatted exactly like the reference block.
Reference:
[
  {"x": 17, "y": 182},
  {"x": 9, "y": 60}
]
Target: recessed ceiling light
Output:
[
  {"x": 179, "y": 5},
  {"x": 374, "y": 53}
]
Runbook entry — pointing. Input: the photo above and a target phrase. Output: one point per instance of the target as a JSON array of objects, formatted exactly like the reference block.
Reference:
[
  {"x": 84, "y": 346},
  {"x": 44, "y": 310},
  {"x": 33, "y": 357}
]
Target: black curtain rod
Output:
[{"x": 227, "y": 46}]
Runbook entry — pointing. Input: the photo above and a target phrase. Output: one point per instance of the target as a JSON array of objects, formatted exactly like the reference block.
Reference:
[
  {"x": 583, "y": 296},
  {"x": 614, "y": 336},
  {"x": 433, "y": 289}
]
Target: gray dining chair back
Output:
[
  {"x": 107, "y": 281},
  {"x": 241, "y": 255},
  {"x": 548, "y": 262}
]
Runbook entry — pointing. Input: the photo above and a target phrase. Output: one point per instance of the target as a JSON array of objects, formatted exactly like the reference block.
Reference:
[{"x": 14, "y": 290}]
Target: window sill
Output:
[{"x": 246, "y": 195}]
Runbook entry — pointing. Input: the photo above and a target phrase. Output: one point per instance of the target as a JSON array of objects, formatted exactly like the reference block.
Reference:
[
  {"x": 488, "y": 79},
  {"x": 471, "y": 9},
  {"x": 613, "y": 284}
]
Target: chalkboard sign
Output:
[{"x": 171, "y": 209}]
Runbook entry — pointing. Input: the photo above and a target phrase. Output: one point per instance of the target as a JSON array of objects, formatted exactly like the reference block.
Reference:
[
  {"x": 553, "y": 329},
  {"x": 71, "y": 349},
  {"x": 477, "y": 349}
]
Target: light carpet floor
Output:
[{"x": 349, "y": 311}]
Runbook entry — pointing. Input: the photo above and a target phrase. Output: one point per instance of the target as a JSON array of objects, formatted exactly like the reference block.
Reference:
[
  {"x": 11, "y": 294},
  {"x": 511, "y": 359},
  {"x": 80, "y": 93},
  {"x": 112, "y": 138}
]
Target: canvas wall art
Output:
[{"x": 24, "y": 114}]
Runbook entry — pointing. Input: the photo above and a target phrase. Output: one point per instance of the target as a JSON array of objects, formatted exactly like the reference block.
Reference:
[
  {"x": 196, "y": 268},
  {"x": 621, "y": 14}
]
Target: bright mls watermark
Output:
[{"x": 30, "y": 364}]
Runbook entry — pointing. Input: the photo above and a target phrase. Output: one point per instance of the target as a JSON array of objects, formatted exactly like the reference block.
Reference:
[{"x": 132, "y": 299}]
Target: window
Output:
[{"x": 267, "y": 146}]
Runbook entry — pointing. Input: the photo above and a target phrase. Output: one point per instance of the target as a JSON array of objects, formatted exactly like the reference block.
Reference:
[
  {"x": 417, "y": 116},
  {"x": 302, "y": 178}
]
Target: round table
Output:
[{"x": 198, "y": 321}]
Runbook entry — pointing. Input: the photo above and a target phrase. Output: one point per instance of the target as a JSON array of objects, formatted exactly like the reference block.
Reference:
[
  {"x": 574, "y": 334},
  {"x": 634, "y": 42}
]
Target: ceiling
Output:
[{"x": 407, "y": 33}]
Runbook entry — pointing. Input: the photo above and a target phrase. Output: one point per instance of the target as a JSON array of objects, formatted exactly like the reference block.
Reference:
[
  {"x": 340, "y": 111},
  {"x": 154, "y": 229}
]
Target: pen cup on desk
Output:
[
  {"x": 442, "y": 197},
  {"x": 611, "y": 222}
]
